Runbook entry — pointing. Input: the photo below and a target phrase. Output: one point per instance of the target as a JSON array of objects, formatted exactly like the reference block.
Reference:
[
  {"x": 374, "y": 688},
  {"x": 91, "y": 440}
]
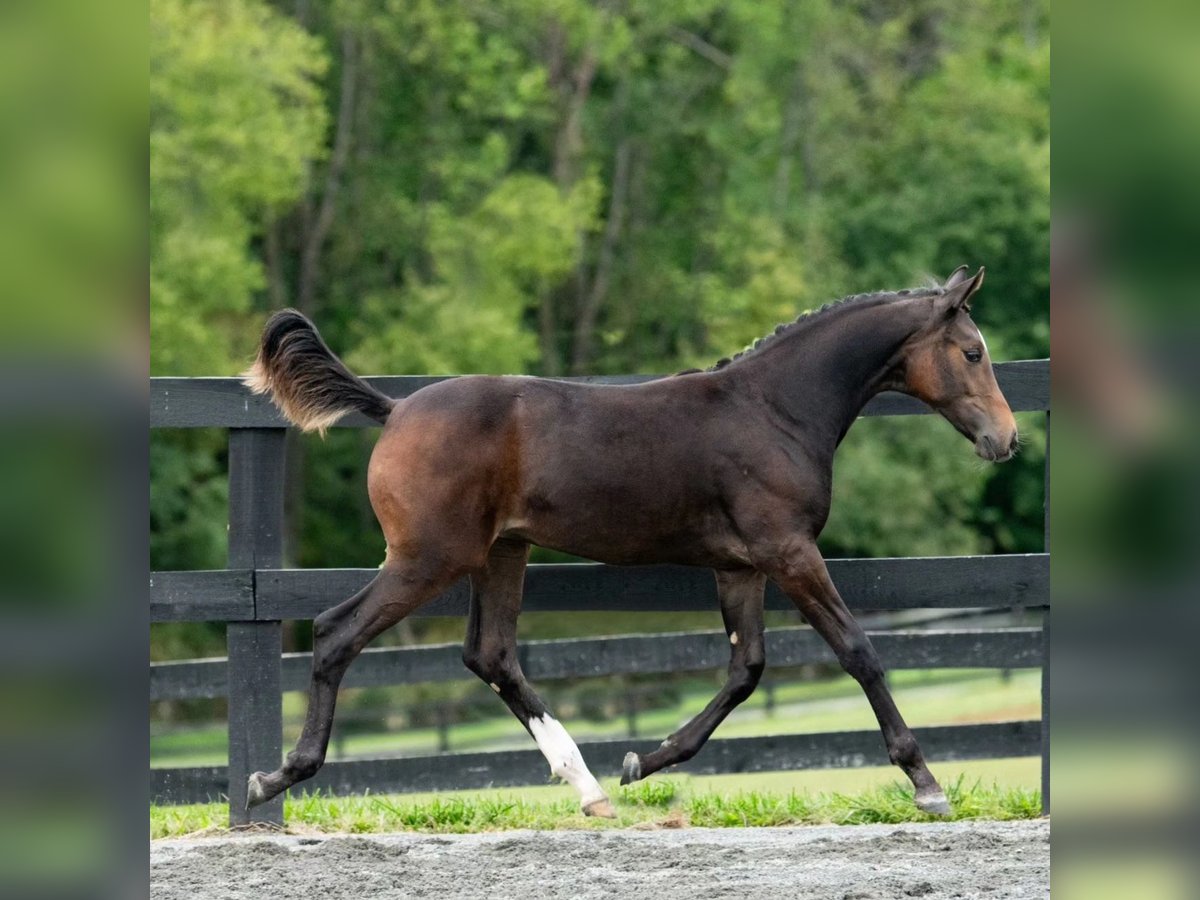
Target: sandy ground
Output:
[{"x": 959, "y": 860}]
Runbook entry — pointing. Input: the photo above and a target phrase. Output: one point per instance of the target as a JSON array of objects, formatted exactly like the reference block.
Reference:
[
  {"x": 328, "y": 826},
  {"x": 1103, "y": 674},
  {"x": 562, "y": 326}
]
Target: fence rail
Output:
[
  {"x": 254, "y": 595},
  {"x": 1018, "y": 579},
  {"x": 651, "y": 654}
]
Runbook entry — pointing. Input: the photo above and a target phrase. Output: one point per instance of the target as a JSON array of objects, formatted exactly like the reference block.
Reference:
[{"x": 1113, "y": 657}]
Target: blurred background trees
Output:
[{"x": 561, "y": 186}]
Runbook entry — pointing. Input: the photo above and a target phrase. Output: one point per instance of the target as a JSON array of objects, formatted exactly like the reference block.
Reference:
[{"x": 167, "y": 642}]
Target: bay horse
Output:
[{"x": 729, "y": 468}]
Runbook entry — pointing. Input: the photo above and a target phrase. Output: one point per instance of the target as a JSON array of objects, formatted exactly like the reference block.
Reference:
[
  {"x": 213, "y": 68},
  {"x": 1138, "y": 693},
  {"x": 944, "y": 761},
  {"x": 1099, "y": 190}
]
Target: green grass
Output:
[
  {"x": 675, "y": 801},
  {"x": 884, "y": 805}
]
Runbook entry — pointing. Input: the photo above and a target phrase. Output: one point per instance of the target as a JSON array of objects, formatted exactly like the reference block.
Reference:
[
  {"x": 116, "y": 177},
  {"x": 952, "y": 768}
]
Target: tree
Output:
[{"x": 236, "y": 115}]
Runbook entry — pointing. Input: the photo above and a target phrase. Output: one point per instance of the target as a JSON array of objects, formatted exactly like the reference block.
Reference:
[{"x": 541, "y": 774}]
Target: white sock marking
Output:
[
  {"x": 733, "y": 638},
  {"x": 564, "y": 758}
]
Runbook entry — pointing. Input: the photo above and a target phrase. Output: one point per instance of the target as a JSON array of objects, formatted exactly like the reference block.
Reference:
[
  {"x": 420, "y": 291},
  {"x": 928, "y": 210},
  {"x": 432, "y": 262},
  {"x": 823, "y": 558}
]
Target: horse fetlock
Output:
[
  {"x": 905, "y": 752},
  {"x": 303, "y": 765},
  {"x": 631, "y": 768}
]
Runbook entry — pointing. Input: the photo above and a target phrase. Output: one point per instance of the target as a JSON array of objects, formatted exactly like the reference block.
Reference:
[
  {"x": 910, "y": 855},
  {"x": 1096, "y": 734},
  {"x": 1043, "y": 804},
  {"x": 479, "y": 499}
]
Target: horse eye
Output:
[{"x": 973, "y": 355}]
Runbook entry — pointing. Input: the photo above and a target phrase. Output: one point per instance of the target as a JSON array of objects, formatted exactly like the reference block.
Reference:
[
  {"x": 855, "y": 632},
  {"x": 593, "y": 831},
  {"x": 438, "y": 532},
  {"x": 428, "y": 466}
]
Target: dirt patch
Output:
[{"x": 953, "y": 860}]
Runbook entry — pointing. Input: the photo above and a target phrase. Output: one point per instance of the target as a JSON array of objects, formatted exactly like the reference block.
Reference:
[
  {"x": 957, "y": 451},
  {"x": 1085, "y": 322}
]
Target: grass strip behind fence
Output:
[{"x": 651, "y": 804}]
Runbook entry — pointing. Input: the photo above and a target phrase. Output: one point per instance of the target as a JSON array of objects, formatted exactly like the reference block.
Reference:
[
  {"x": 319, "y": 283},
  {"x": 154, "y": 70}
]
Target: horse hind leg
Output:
[
  {"x": 490, "y": 651},
  {"x": 339, "y": 635},
  {"x": 741, "y": 598}
]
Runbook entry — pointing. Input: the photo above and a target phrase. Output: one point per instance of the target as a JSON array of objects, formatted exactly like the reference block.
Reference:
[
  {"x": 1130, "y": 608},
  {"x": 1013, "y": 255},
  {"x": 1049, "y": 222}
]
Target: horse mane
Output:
[{"x": 876, "y": 298}]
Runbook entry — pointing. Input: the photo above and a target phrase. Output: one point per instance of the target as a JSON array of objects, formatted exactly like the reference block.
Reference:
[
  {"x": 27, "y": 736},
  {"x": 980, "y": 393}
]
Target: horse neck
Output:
[{"x": 819, "y": 377}]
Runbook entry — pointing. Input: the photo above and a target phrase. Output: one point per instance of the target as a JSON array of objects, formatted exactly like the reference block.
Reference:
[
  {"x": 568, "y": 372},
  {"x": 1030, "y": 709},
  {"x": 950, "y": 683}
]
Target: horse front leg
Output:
[
  {"x": 741, "y": 597},
  {"x": 801, "y": 572}
]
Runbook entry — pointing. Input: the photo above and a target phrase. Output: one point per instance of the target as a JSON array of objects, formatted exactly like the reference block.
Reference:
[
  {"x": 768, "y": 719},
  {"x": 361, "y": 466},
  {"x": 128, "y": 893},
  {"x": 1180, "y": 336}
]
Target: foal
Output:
[{"x": 728, "y": 468}]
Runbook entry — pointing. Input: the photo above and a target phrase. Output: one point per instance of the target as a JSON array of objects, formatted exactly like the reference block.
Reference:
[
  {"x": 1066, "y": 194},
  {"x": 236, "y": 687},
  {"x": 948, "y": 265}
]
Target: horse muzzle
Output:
[{"x": 996, "y": 449}]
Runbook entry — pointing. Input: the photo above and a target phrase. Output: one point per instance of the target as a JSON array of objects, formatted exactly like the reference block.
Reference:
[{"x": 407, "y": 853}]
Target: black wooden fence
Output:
[{"x": 254, "y": 595}]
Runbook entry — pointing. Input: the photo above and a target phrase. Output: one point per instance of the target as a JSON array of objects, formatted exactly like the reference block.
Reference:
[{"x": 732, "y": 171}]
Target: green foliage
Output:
[
  {"x": 235, "y": 118},
  {"x": 522, "y": 238},
  {"x": 189, "y": 495},
  {"x": 339, "y": 522}
]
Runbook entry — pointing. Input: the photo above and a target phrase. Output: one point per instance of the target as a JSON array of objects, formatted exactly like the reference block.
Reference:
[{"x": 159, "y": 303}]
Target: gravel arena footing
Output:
[{"x": 865, "y": 862}]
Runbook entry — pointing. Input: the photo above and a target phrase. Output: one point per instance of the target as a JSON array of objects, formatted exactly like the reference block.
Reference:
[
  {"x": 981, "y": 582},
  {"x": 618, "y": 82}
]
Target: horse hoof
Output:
[
  {"x": 631, "y": 770},
  {"x": 255, "y": 792},
  {"x": 935, "y": 804},
  {"x": 601, "y": 809}
]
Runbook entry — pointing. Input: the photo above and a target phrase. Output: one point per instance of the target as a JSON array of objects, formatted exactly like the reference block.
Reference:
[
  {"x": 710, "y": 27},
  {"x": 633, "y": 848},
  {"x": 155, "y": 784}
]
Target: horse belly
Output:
[{"x": 621, "y": 531}]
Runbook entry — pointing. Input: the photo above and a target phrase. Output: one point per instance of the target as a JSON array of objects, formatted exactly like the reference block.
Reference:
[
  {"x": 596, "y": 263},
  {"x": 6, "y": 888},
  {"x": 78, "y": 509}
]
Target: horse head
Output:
[{"x": 946, "y": 364}]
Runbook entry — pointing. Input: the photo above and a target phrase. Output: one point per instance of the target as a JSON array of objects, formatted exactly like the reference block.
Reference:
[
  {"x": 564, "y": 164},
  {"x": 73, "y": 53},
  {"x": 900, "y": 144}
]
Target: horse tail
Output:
[{"x": 309, "y": 384}]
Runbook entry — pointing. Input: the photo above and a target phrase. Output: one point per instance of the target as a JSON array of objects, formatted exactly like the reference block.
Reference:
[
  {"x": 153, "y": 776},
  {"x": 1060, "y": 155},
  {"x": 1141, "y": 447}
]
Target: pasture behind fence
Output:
[{"x": 255, "y": 594}]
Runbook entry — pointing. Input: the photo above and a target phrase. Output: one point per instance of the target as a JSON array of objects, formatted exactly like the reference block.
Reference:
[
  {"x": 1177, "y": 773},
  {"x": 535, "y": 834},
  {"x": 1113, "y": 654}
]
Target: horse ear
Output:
[
  {"x": 959, "y": 289},
  {"x": 957, "y": 277}
]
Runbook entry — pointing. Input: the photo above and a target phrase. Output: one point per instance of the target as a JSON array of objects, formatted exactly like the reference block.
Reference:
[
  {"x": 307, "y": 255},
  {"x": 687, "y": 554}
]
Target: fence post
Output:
[
  {"x": 1046, "y": 639},
  {"x": 256, "y": 480}
]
